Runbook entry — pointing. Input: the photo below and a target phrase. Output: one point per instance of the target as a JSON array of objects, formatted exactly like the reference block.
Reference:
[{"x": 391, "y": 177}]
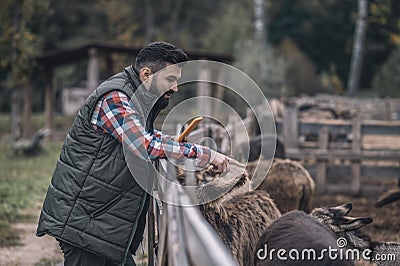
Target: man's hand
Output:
[{"x": 219, "y": 161}]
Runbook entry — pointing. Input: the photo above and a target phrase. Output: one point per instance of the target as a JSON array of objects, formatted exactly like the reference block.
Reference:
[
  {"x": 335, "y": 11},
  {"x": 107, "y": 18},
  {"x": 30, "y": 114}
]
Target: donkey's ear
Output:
[
  {"x": 341, "y": 210},
  {"x": 347, "y": 223},
  {"x": 388, "y": 197}
]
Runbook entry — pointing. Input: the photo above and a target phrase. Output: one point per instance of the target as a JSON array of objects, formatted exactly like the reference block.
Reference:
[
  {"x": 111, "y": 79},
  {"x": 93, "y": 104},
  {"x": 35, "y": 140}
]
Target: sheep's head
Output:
[{"x": 337, "y": 220}]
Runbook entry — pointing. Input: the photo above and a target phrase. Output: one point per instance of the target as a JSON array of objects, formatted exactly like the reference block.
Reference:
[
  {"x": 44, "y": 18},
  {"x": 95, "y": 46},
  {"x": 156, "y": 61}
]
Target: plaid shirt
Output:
[{"x": 115, "y": 115}]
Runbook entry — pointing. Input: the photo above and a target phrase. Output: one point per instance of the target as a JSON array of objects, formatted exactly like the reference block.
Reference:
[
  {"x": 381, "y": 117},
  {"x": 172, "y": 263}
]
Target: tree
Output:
[
  {"x": 353, "y": 81},
  {"x": 18, "y": 46},
  {"x": 386, "y": 82},
  {"x": 260, "y": 37},
  {"x": 231, "y": 29}
]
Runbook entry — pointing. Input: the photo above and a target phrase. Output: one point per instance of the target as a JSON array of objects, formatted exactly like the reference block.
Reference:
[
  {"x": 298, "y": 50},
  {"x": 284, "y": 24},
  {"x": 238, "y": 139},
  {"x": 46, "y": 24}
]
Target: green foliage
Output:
[
  {"x": 72, "y": 22},
  {"x": 61, "y": 123},
  {"x": 331, "y": 83},
  {"x": 300, "y": 75},
  {"x": 322, "y": 29},
  {"x": 23, "y": 183},
  {"x": 18, "y": 44},
  {"x": 387, "y": 80},
  {"x": 24, "y": 180},
  {"x": 247, "y": 55},
  {"x": 289, "y": 71},
  {"x": 231, "y": 29}
]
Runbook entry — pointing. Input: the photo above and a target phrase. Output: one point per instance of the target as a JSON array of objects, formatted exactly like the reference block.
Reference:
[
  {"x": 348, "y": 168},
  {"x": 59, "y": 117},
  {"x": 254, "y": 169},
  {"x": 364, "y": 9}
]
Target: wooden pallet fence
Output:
[{"x": 328, "y": 144}]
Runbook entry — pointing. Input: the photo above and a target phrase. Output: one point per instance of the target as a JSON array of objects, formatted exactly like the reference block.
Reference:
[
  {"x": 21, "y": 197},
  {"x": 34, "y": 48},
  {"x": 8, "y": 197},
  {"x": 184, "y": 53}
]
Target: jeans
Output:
[{"x": 74, "y": 256}]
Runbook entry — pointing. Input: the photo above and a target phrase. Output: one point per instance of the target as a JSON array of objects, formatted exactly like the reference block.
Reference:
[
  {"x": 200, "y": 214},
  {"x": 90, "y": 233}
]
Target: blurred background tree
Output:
[
  {"x": 309, "y": 42},
  {"x": 387, "y": 80},
  {"x": 19, "y": 43}
]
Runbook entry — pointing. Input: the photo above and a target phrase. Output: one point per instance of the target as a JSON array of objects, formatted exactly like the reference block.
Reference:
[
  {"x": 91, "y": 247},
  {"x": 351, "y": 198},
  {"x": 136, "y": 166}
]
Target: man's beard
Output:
[{"x": 162, "y": 102}]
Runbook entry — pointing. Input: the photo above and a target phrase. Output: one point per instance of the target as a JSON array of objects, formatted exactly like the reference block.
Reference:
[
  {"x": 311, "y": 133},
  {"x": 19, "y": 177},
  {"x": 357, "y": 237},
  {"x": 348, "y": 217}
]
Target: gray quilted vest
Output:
[{"x": 93, "y": 202}]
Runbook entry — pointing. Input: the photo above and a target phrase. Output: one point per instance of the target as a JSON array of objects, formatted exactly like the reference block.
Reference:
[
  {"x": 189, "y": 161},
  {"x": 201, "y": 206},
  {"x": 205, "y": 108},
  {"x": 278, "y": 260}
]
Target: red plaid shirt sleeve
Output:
[{"x": 115, "y": 115}]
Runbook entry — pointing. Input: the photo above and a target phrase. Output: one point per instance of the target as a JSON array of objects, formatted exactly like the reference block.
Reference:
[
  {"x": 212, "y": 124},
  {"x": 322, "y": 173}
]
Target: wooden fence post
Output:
[
  {"x": 355, "y": 150},
  {"x": 323, "y": 142},
  {"x": 290, "y": 128},
  {"x": 93, "y": 71}
]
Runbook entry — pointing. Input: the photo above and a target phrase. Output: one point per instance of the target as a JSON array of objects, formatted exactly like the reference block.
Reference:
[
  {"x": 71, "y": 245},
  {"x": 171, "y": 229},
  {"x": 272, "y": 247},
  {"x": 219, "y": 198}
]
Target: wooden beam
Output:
[
  {"x": 356, "y": 149},
  {"x": 323, "y": 142},
  {"x": 387, "y": 155},
  {"x": 93, "y": 70},
  {"x": 290, "y": 127}
]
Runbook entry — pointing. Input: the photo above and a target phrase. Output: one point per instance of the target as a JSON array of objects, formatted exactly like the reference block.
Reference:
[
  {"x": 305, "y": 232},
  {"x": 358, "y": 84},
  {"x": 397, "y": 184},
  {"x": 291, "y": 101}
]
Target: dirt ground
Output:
[
  {"x": 386, "y": 224},
  {"x": 32, "y": 251}
]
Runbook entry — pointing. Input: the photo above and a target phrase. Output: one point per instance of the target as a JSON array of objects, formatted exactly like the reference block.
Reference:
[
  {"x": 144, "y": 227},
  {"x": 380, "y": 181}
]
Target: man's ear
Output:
[{"x": 144, "y": 73}]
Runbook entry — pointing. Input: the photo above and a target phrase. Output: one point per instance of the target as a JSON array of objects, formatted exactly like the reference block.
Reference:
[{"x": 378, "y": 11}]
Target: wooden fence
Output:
[{"x": 337, "y": 152}]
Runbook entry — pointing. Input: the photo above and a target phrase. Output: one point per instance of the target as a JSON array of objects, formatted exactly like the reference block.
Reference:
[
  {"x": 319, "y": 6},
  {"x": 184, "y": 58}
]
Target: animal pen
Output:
[
  {"x": 338, "y": 153},
  {"x": 356, "y": 156},
  {"x": 353, "y": 156}
]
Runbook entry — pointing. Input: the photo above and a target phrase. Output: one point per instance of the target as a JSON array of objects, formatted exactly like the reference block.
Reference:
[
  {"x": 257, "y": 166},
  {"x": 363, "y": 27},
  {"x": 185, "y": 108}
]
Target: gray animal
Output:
[
  {"x": 32, "y": 146},
  {"x": 347, "y": 227},
  {"x": 240, "y": 216},
  {"x": 388, "y": 197},
  {"x": 255, "y": 149},
  {"x": 297, "y": 239},
  {"x": 288, "y": 183}
]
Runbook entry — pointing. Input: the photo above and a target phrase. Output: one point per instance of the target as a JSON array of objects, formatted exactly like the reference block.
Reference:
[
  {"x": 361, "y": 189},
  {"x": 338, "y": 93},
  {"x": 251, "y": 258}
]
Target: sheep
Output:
[
  {"x": 347, "y": 227},
  {"x": 288, "y": 183},
  {"x": 297, "y": 239},
  {"x": 239, "y": 216}
]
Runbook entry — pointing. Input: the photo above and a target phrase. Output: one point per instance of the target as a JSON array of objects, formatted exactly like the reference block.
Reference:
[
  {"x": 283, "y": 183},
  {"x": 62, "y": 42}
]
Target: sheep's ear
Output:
[
  {"x": 347, "y": 223},
  {"x": 341, "y": 210}
]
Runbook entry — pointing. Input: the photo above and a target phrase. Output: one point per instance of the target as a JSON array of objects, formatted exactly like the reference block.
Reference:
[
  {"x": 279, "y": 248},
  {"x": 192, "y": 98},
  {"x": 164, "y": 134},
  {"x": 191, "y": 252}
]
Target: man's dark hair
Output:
[{"x": 156, "y": 55}]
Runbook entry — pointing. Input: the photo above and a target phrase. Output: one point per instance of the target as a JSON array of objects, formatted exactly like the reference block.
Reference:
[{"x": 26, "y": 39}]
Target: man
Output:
[{"x": 96, "y": 205}]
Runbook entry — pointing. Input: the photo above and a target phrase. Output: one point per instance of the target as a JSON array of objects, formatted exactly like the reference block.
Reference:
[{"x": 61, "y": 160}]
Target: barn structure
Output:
[{"x": 94, "y": 52}]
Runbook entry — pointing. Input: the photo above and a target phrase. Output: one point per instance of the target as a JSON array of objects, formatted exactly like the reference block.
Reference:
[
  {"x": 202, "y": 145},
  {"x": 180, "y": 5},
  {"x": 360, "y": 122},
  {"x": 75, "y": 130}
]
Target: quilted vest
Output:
[{"x": 93, "y": 201}]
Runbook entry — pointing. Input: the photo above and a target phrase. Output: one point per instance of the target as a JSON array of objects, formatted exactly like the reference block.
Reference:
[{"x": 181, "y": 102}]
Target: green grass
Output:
[
  {"x": 61, "y": 123},
  {"x": 23, "y": 183}
]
